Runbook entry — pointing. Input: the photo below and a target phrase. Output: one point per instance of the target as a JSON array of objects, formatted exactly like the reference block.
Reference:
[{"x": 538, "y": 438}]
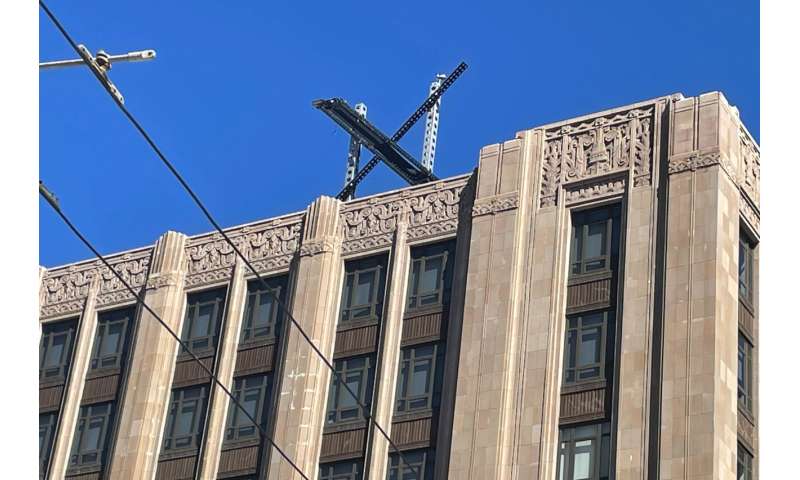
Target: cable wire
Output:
[
  {"x": 366, "y": 411},
  {"x": 139, "y": 300}
]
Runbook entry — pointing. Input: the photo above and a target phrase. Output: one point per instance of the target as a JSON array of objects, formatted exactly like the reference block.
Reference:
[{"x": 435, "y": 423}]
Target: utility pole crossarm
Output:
[{"x": 138, "y": 56}]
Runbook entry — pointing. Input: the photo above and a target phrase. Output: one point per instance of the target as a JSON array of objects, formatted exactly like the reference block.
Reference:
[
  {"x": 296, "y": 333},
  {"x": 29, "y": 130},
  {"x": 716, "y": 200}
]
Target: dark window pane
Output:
[{"x": 595, "y": 240}]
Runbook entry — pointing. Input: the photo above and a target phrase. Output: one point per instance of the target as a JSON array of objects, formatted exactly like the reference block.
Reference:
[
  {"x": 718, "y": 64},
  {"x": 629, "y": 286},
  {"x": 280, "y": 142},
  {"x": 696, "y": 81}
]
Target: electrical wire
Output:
[
  {"x": 365, "y": 410},
  {"x": 139, "y": 300}
]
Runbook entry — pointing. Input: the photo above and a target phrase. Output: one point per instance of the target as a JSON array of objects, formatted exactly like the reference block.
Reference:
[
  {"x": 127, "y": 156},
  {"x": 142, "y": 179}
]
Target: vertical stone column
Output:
[
  {"x": 637, "y": 297},
  {"x": 71, "y": 406},
  {"x": 543, "y": 335},
  {"x": 303, "y": 379},
  {"x": 231, "y": 326},
  {"x": 389, "y": 354},
  {"x": 144, "y": 406},
  {"x": 699, "y": 383},
  {"x": 483, "y": 424}
]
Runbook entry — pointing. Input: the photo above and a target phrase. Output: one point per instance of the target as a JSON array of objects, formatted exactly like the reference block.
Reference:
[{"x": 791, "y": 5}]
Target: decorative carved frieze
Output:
[
  {"x": 315, "y": 247},
  {"x": 66, "y": 288},
  {"x": 750, "y": 167},
  {"x": 696, "y": 160},
  {"x": 609, "y": 143},
  {"x": 430, "y": 210},
  {"x": 750, "y": 214},
  {"x": 594, "y": 188},
  {"x": 268, "y": 246},
  {"x": 496, "y": 204}
]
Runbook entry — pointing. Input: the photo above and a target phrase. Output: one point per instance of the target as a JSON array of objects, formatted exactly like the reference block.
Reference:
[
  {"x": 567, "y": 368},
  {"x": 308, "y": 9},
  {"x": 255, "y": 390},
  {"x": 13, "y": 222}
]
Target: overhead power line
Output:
[
  {"x": 52, "y": 201},
  {"x": 366, "y": 411}
]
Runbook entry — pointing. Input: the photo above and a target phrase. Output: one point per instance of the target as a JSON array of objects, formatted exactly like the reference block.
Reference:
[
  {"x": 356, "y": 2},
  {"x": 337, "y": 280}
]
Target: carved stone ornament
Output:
[
  {"x": 66, "y": 288},
  {"x": 594, "y": 188},
  {"x": 697, "y": 160},
  {"x": 750, "y": 167},
  {"x": 750, "y": 214},
  {"x": 315, "y": 247},
  {"x": 609, "y": 143},
  {"x": 496, "y": 204},
  {"x": 430, "y": 210},
  {"x": 268, "y": 245}
]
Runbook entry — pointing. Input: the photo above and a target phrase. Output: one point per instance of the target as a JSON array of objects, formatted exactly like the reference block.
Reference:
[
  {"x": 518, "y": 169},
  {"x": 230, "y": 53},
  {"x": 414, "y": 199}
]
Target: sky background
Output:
[{"x": 228, "y": 98}]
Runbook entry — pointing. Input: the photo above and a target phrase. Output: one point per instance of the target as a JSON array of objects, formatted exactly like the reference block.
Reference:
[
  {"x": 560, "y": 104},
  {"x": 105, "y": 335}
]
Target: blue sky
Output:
[{"x": 229, "y": 97}]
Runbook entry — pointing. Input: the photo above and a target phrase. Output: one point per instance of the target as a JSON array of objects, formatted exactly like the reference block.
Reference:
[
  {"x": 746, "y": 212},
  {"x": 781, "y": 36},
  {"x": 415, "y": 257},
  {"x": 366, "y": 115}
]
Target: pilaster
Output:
[
  {"x": 389, "y": 354},
  {"x": 146, "y": 399},
  {"x": 231, "y": 326},
  {"x": 71, "y": 405},
  {"x": 483, "y": 424},
  {"x": 303, "y": 378},
  {"x": 699, "y": 382}
]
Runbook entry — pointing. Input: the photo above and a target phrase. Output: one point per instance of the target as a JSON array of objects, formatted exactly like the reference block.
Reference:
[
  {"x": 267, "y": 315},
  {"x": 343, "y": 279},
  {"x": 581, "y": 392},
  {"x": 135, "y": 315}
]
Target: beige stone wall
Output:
[
  {"x": 71, "y": 404},
  {"x": 303, "y": 383},
  {"x": 483, "y": 424},
  {"x": 226, "y": 362},
  {"x": 389, "y": 355},
  {"x": 146, "y": 399},
  {"x": 698, "y": 421}
]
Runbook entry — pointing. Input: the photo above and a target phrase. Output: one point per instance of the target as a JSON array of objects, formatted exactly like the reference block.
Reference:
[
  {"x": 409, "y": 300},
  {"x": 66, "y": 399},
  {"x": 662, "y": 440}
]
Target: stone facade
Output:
[{"x": 685, "y": 173}]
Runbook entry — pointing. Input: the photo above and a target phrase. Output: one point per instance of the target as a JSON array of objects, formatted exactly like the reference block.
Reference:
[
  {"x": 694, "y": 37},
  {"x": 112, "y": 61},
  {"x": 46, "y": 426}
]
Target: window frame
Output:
[
  {"x": 746, "y": 267},
  {"x": 46, "y": 443},
  {"x": 177, "y": 401},
  {"x": 744, "y": 396},
  {"x": 400, "y": 469},
  {"x": 354, "y": 269},
  {"x": 124, "y": 316},
  {"x": 51, "y": 331},
  {"x": 86, "y": 416},
  {"x": 233, "y": 433},
  {"x": 408, "y": 360},
  {"x": 194, "y": 302},
  {"x": 255, "y": 290},
  {"x": 605, "y": 335},
  {"x": 356, "y": 470},
  {"x": 413, "y": 297},
  {"x": 336, "y": 392},
  {"x": 744, "y": 462},
  {"x": 568, "y": 438},
  {"x": 584, "y": 219}
]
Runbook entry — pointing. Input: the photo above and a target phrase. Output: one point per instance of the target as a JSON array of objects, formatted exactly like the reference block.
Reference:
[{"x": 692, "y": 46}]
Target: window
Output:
[
  {"x": 347, "y": 470},
  {"x": 55, "y": 350},
  {"x": 585, "y": 347},
  {"x": 187, "y": 411},
  {"x": 91, "y": 434},
  {"x": 746, "y": 267},
  {"x": 420, "y": 460},
  {"x": 418, "y": 382},
  {"x": 261, "y": 316},
  {"x": 744, "y": 463},
  {"x": 253, "y": 393},
  {"x": 745, "y": 373},
  {"x": 592, "y": 238},
  {"x": 584, "y": 452},
  {"x": 203, "y": 313},
  {"x": 357, "y": 373},
  {"x": 47, "y": 428},
  {"x": 109, "y": 343},
  {"x": 362, "y": 296},
  {"x": 428, "y": 280}
]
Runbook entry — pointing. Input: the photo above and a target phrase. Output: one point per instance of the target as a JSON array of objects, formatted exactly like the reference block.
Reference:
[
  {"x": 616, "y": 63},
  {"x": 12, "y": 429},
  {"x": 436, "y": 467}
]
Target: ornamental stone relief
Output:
[
  {"x": 269, "y": 245},
  {"x": 594, "y": 188},
  {"x": 610, "y": 143},
  {"x": 750, "y": 167},
  {"x": 430, "y": 210},
  {"x": 66, "y": 289}
]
